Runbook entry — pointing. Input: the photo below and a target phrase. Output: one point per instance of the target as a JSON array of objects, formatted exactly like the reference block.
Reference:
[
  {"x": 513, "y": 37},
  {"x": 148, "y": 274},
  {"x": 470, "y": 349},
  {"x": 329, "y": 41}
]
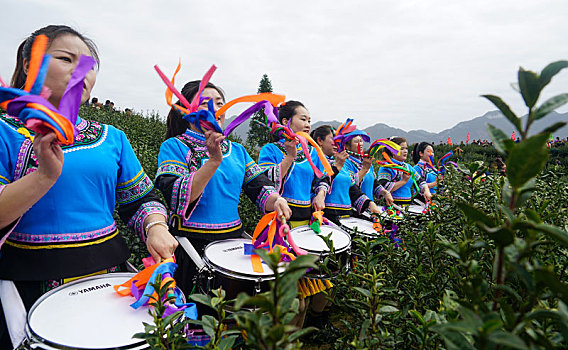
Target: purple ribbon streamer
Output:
[
  {"x": 268, "y": 111},
  {"x": 71, "y": 99}
]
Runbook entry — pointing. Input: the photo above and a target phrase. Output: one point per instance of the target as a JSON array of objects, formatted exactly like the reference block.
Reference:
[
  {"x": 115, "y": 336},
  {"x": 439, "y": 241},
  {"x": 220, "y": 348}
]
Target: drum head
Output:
[
  {"x": 307, "y": 239},
  {"x": 415, "y": 209},
  {"x": 88, "y": 314},
  {"x": 228, "y": 256},
  {"x": 363, "y": 227}
]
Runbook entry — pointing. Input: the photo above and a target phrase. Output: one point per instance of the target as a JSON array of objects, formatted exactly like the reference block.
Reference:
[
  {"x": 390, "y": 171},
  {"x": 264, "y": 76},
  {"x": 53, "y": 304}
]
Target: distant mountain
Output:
[{"x": 476, "y": 127}]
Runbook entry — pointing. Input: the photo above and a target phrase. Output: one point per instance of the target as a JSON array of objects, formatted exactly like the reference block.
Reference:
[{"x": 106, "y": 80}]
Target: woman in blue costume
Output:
[
  {"x": 424, "y": 167},
  {"x": 201, "y": 176},
  {"x": 57, "y": 202},
  {"x": 286, "y": 165},
  {"x": 399, "y": 183},
  {"x": 345, "y": 191},
  {"x": 362, "y": 166}
]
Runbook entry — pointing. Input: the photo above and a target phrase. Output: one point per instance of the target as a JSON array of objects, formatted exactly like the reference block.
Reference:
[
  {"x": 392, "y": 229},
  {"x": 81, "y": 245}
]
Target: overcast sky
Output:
[{"x": 411, "y": 64}]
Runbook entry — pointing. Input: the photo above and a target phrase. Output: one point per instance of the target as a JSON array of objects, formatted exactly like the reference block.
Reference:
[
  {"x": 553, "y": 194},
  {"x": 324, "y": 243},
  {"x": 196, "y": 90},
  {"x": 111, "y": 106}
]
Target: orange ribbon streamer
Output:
[
  {"x": 274, "y": 100},
  {"x": 321, "y": 156},
  {"x": 36, "y": 58},
  {"x": 140, "y": 279}
]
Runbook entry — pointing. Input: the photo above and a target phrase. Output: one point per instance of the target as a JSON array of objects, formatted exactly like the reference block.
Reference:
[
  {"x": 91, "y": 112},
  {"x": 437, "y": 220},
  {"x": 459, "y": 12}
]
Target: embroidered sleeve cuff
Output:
[
  {"x": 362, "y": 203},
  {"x": 252, "y": 170},
  {"x": 137, "y": 221},
  {"x": 130, "y": 191},
  {"x": 274, "y": 172},
  {"x": 181, "y": 193},
  {"x": 265, "y": 193},
  {"x": 379, "y": 191}
]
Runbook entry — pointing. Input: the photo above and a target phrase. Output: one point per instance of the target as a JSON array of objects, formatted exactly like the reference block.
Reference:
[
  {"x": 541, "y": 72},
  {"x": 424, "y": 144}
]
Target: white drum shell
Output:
[{"x": 87, "y": 314}]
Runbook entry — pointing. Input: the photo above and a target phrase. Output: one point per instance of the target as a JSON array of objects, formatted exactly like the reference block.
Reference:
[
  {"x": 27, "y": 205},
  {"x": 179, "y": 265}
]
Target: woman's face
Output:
[
  {"x": 403, "y": 152},
  {"x": 218, "y": 102},
  {"x": 355, "y": 144},
  {"x": 426, "y": 154},
  {"x": 300, "y": 120},
  {"x": 66, "y": 50},
  {"x": 327, "y": 145}
]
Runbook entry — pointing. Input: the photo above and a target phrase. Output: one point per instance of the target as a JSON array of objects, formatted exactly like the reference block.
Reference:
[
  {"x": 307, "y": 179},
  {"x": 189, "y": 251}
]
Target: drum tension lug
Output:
[{"x": 257, "y": 286}]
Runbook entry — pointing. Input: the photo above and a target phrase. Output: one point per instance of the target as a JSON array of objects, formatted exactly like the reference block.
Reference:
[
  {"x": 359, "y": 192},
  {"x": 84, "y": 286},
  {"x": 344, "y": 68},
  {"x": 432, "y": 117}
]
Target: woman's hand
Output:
[
  {"x": 374, "y": 208},
  {"x": 160, "y": 243},
  {"x": 291, "y": 148},
  {"x": 49, "y": 156},
  {"x": 388, "y": 198},
  {"x": 282, "y": 209},
  {"x": 339, "y": 159},
  {"x": 213, "y": 143},
  {"x": 427, "y": 194},
  {"x": 367, "y": 161},
  {"x": 319, "y": 201}
]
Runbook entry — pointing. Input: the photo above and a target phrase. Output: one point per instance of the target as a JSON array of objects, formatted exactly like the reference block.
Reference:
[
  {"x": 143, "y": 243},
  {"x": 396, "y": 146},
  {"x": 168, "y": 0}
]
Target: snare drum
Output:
[
  {"x": 415, "y": 209},
  {"x": 87, "y": 314},
  {"x": 231, "y": 269},
  {"x": 307, "y": 239},
  {"x": 362, "y": 227}
]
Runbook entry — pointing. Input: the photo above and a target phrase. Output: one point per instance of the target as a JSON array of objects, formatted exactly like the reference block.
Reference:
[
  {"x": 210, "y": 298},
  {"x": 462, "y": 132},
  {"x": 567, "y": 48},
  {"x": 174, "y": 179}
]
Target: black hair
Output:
[
  {"x": 287, "y": 110},
  {"x": 421, "y": 147},
  {"x": 176, "y": 125},
  {"x": 52, "y": 32},
  {"x": 321, "y": 132}
]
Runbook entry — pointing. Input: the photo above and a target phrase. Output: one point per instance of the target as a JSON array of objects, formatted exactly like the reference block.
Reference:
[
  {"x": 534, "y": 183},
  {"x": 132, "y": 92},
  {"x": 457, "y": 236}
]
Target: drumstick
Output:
[{"x": 190, "y": 250}]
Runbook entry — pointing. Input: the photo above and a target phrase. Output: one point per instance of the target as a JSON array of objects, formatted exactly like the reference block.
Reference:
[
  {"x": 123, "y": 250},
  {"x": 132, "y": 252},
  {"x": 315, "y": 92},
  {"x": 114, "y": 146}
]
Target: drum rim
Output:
[
  {"x": 359, "y": 233},
  {"x": 326, "y": 252},
  {"x": 32, "y": 335},
  {"x": 230, "y": 273}
]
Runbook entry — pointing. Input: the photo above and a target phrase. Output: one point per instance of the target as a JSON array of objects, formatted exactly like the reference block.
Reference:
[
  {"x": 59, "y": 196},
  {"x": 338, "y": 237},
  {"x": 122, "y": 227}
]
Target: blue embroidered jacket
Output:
[
  {"x": 215, "y": 213},
  {"x": 426, "y": 173},
  {"x": 70, "y": 231},
  {"x": 299, "y": 184}
]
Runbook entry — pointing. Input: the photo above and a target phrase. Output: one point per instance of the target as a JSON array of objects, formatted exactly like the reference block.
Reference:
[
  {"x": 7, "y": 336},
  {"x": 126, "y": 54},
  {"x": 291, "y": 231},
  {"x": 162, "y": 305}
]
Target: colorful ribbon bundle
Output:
[
  {"x": 346, "y": 132},
  {"x": 303, "y": 138},
  {"x": 383, "y": 143},
  {"x": 442, "y": 162},
  {"x": 265, "y": 237},
  {"x": 317, "y": 220},
  {"x": 141, "y": 289},
  {"x": 396, "y": 165},
  {"x": 200, "y": 119},
  {"x": 30, "y": 104}
]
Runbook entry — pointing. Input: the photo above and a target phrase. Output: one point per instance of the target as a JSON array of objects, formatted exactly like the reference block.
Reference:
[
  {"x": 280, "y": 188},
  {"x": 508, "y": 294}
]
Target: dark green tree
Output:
[{"x": 257, "y": 135}]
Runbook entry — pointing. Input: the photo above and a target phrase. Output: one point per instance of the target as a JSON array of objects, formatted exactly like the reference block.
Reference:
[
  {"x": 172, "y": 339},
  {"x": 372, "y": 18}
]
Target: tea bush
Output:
[{"x": 486, "y": 268}]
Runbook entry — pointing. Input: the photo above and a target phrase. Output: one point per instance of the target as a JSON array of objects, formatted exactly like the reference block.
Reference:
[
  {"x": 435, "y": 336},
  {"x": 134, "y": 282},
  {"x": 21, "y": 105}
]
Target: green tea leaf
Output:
[
  {"x": 550, "y": 71},
  {"x": 507, "y": 339},
  {"x": 526, "y": 160},
  {"x": 554, "y": 232},
  {"x": 530, "y": 86},
  {"x": 549, "y": 105},
  {"x": 476, "y": 215},
  {"x": 553, "y": 128},
  {"x": 387, "y": 309},
  {"x": 505, "y": 109},
  {"x": 498, "y": 136}
]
